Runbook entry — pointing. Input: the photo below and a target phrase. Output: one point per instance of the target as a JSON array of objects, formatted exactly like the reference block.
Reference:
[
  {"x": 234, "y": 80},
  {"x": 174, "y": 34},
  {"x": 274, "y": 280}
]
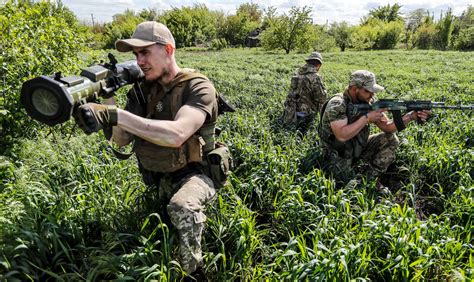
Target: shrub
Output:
[{"x": 37, "y": 38}]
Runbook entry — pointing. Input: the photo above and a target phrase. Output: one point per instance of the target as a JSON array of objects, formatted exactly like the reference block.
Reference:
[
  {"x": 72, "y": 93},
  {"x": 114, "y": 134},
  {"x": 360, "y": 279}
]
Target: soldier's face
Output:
[
  {"x": 152, "y": 60},
  {"x": 364, "y": 95}
]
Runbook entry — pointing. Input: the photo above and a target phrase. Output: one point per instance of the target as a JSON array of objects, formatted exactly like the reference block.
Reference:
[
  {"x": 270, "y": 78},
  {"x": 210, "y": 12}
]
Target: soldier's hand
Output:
[
  {"x": 419, "y": 116},
  {"x": 93, "y": 117},
  {"x": 376, "y": 116}
]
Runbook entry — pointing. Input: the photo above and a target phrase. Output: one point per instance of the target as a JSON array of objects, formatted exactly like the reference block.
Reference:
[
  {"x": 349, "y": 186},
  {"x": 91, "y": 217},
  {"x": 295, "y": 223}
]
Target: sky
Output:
[{"x": 327, "y": 11}]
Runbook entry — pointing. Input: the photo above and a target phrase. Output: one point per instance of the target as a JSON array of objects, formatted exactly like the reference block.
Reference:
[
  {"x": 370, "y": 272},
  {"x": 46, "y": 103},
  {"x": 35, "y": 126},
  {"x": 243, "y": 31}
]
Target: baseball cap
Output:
[
  {"x": 146, "y": 34},
  {"x": 315, "y": 56},
  {"x": 366, "y": 79}
]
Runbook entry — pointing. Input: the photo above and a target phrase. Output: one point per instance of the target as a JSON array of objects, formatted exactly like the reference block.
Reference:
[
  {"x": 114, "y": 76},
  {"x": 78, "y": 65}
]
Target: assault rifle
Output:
[{"x": 396, "y": 106}]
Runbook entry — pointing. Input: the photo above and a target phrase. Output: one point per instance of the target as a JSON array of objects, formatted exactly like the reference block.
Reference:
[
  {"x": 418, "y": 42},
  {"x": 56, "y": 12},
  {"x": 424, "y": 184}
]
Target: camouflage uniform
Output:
[
  {"x": 307, "y": 93},
  {"x": 187, "y": 200},
  {"x": 340, "y": 158}
]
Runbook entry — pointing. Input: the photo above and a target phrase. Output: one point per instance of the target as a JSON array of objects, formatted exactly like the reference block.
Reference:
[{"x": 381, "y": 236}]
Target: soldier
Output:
[
  {"x": 345, "y": 138},
  {"x": 307, "y": 93},
  {"x": 173, "y": 126}
]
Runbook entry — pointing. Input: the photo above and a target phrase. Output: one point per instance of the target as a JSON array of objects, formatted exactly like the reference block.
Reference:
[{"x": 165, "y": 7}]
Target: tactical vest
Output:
[
  {"x": 298, "y": 104},
  {"x": 164, "y": 105},
  {"x": 351, "y": 149}
]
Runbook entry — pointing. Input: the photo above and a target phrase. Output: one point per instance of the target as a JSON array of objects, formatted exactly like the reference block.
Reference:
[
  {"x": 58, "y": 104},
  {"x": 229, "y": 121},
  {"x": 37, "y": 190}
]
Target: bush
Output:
[
  {"x": 424, "y": 36},
  {"x": 388, "y": 35},
  {"x": 465, "y": 39},
  {"x": 219, "y": 44},
  {"x": 37, "y": 38},
  {"x": 377, "y": 34},
  {"x": 122, "y": 26}
]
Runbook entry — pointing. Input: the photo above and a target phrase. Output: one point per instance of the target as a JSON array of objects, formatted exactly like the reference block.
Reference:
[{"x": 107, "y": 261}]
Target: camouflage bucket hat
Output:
[
  {"x": 146, "y": 34},
  {"x": 366, "y": 79},
  {"x": 315, "y": 56}
]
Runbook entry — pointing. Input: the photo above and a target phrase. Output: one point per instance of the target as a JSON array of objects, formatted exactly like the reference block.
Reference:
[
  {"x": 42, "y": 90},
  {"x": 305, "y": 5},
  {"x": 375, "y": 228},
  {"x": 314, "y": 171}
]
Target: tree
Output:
[
  {"x": 387, "y": 13},
  {"x": 444, "y": 30},
  {"x": 251, "y": 10},
  {"x": 413, "y": 21},
  {"x": 463, "y": 30},
  {"x": 288, "y": 32},
  {"x": 377, "y": 34},
  {"x": 341, "y": 33},
  {"x": 150, "y": 14},
  {"x": 237, "y": 27},
  {"x": 191, "y": 26},
  {"x": 122, "y": 26}
]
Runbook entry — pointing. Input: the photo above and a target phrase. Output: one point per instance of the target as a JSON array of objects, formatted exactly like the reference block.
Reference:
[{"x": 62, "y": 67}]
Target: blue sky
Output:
[{"x": 323, "y": 11}]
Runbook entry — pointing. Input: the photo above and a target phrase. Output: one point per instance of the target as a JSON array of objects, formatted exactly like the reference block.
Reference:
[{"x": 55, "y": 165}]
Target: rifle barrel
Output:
[{"x": 453, "y": 107}]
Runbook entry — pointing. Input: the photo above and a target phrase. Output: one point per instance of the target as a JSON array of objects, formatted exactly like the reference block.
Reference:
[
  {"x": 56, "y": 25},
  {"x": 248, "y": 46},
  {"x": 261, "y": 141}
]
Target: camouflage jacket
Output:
[
  {"x": 307, "y": 93},
  {"x": 337, "y": 109}
]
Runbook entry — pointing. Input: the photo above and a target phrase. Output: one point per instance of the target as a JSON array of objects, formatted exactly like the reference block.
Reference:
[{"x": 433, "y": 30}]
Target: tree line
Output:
[{"x": 385, "y": 27}]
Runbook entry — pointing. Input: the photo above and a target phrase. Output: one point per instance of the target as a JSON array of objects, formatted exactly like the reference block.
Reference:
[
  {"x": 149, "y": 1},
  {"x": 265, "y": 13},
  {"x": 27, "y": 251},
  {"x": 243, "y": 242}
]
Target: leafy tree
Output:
[
  {"x": 320, "y": 39},
  {"x": 388, "y": 35},
  {"x": 424, "y": 36},
  {"x": 387, "y": 13},
  {"x": 463, "y": 30},
  {"x": 341, "y": 33},
  {"x": 236, "y": 28},
  {"x": 191, "y": 25},
  {"x": 376, "y": 33},
  {"x": 288, "y": 32},
  {"x": 364, "y": 36},
  {"x": 251, "y": 10},
  {"x": 150, "y": 14},
  {"x": 465, "y": 39},
  {"x": 122, "y": 26},
  {"x": 413, "y": 21},
  {"x": 444, "y": 30}
]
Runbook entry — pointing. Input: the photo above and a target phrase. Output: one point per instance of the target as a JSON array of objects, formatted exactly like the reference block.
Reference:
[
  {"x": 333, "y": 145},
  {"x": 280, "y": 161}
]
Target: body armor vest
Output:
[
  {"x": 351, "y": 149},
  {"x": 163, "y": 104}
]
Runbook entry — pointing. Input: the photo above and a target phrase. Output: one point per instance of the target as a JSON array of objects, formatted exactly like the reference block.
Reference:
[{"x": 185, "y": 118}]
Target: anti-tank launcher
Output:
[{"x": 52, "y": 99}]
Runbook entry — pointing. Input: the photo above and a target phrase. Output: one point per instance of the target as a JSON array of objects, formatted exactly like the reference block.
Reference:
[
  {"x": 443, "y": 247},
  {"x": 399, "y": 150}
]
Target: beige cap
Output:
[
  {"x": 146, "y": 34},
  {"x": 366, "y": 79}
]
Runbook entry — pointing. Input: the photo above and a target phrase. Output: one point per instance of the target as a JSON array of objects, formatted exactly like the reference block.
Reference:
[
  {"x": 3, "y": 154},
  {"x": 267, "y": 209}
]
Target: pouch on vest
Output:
[
  {"x": 194, "y": 147},
  {"x": 220, "y": 163},
  {"x": 164, "y": 159}
]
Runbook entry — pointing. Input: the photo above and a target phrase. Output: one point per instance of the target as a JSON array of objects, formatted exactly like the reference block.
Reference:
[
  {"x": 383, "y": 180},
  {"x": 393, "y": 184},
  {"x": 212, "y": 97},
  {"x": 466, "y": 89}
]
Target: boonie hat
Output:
[
  {"x": 366, "y": 79},
  {"x": 315, "y": 56},
  {"x": 146, "y": 34}
]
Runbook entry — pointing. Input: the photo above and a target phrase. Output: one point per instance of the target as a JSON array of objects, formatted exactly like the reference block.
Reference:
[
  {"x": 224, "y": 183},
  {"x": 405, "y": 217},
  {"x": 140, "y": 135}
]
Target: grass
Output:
[{"x": 71, "y": 211}]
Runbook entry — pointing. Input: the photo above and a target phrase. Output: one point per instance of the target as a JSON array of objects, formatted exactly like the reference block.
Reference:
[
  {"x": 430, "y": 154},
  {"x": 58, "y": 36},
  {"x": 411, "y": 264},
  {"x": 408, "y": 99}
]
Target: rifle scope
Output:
[{"x": 52, "y": 99}]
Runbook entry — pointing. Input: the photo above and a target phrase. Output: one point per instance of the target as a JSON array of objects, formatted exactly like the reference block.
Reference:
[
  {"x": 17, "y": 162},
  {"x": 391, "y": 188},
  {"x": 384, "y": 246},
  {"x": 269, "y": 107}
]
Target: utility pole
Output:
[{"x": 92, "y": 15}]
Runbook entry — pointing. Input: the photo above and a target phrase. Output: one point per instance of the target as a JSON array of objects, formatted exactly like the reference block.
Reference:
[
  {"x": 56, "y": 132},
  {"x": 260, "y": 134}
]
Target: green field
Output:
[{"x": 69, "y": 210}]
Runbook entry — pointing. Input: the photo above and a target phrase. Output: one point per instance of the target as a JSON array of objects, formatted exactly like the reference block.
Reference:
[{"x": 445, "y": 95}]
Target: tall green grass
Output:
[{"x": 71, "y": 211}]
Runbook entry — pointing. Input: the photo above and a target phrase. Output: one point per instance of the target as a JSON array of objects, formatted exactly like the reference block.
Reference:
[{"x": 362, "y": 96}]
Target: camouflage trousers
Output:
[
  {"x": 185, "y": 208},
  {"x": 376, "y": 158}
]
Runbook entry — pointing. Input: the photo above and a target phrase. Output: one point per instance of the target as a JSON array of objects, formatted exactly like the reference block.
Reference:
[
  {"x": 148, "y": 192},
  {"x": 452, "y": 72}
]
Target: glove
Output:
[{"x": 93, "y": 117}]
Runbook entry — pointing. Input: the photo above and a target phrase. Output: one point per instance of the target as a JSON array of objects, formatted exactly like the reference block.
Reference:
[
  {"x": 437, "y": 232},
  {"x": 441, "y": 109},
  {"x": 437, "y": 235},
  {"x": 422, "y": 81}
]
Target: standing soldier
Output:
[{"x": 307, "y": 93}]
